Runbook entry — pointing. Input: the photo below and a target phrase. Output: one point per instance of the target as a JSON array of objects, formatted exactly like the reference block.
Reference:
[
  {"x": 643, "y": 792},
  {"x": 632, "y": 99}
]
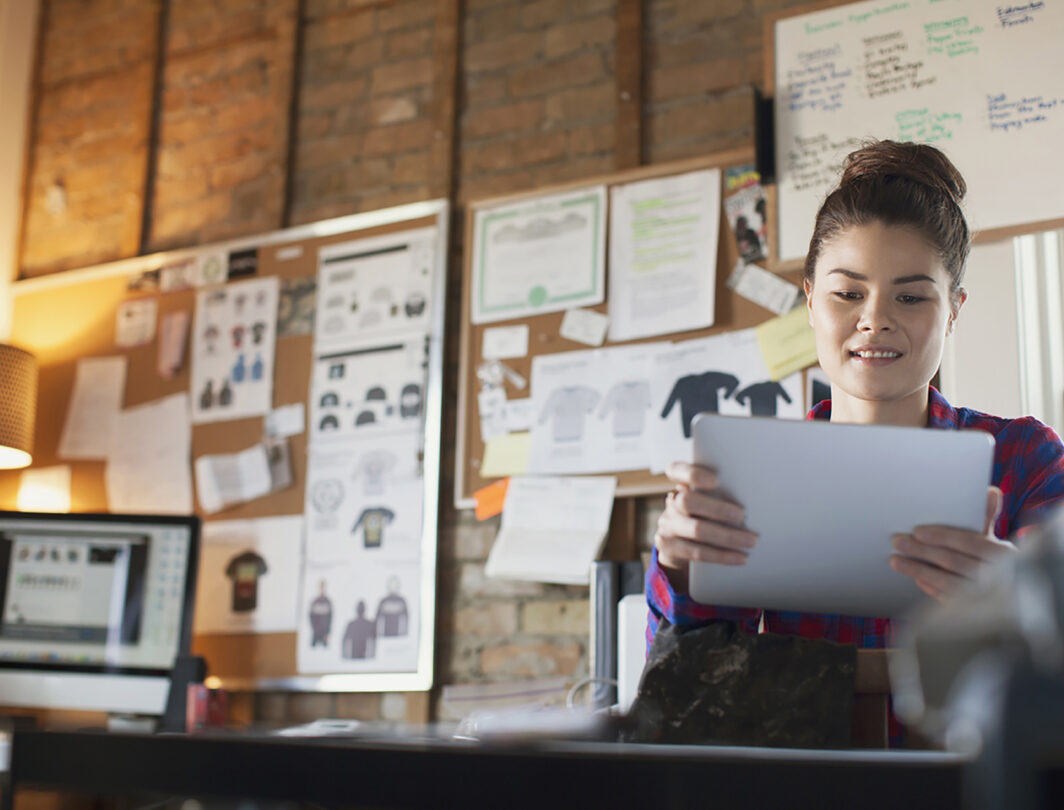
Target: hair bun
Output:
[{"x": 918, "y": 163}]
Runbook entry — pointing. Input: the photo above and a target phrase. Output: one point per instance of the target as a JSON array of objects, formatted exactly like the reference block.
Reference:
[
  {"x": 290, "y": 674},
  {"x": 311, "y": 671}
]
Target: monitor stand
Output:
[{"x": 132, "y": 723}]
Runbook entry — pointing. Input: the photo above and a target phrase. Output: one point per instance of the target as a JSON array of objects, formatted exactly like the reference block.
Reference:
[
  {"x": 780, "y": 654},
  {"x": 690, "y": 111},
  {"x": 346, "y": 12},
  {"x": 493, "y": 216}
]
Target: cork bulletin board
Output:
[
  {"x": 732, "y": 312},
  {"x": 70, "y": 316}
]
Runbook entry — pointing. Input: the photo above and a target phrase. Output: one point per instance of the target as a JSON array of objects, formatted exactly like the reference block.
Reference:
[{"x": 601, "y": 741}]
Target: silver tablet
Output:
[{"x": 825, "y": 499}]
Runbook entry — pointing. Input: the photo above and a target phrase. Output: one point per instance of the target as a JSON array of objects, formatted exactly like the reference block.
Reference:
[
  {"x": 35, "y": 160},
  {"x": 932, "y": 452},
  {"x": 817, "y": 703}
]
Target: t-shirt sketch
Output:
[
  {"x": 372, "y": 521},
  {"x": 373, "y": 468},
  {"x": 763, "y": 397},
  {"x": 321, "y": 614},
  {"x": 697, "y": 393},
  {"x": 629, "y": 402},
  {"x": 360, "y": 637},
  {"x": 245, "y": 569},
  {"x": 392, "y": 616},
  {"x": 567, "y": 407}
]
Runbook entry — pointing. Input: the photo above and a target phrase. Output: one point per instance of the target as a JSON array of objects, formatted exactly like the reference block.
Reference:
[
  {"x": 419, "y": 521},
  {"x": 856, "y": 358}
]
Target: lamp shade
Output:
[{"x": 18, "y": 406}]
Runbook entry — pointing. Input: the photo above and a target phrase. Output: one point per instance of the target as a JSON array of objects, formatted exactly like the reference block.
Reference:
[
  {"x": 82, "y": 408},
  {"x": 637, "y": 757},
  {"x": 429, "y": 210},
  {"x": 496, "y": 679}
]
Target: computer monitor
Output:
[{"x": 94, "y": 609}]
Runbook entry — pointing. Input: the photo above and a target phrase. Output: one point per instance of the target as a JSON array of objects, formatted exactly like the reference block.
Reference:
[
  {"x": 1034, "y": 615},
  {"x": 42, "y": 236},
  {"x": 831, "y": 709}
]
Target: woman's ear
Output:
[
  {"x": 958, "y": 299},
  {"x": 807, "y": 285}
]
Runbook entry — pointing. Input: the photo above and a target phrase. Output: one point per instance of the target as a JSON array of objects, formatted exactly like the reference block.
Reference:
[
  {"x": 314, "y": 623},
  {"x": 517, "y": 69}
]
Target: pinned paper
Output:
[
  {"x": 490, "y": 499},
  {"x": 491, "y": 405},
  {"x": 177, "y": 276},
  {"x": 501, "y": 342},
  {"x": 223, "y": 480},
  {"x": 173, "y": 338},
  {"x": 787, "y": 343},
  {"x": 99, "y": 385},
  {"x": 506, "y": 455},
  {"x": 288, "y": 420},
  {"x": 584, "y": 326},
  {"x": 765, "y": 289},
  {"x": 552, "y": 528},
  {"x": 135, "y": 323},
  {"x": 519, "y": 415}
]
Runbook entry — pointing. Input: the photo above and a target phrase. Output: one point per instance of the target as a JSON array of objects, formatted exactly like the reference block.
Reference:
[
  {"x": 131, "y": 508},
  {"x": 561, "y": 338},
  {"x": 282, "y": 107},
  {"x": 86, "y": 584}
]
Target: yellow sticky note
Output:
[
  {"x": 787, "y": 343},
  {"x": 506, "y": 455}
]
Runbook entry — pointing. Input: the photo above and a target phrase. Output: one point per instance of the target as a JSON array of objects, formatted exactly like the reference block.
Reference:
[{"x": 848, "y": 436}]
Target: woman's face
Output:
[{"x": 881, "y": 307}]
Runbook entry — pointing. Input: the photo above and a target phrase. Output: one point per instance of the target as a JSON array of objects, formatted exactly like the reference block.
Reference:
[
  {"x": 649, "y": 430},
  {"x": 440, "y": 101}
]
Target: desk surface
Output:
[{"x": 406, "y": 774}]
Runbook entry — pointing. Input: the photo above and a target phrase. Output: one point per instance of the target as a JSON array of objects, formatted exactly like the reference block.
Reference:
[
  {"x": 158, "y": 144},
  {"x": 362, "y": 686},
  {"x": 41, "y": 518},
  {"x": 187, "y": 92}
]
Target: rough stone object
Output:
[{"x": 718, "y": 685}]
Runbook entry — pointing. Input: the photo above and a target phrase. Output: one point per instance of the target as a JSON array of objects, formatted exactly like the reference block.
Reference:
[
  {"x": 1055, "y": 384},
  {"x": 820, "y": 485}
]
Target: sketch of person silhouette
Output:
[{"x": 360, "y": 637}]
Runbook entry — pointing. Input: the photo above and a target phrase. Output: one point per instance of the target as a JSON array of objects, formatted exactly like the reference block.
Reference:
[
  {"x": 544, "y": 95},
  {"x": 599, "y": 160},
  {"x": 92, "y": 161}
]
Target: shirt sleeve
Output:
[
  {"x": 1038, "y": 478},
  {"x": 681, "y": 610}
]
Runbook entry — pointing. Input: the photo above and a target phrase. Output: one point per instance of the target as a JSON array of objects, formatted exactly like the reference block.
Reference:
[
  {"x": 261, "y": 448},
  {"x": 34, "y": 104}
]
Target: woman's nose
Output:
[{"x": 875, "y": 315}]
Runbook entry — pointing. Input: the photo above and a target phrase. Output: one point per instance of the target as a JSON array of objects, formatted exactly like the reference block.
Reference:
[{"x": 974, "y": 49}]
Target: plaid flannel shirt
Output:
[{"x": 1028, "y": 467}]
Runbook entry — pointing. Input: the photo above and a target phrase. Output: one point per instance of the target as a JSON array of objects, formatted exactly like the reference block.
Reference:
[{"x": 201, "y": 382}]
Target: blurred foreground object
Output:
[
  {"x": 983, "y": 673},
  {"x": 18, "y": 406}
]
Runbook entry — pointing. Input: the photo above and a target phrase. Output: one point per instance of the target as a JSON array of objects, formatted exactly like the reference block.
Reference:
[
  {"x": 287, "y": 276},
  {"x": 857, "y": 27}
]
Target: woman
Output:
[{"x": 883, "y": 288}]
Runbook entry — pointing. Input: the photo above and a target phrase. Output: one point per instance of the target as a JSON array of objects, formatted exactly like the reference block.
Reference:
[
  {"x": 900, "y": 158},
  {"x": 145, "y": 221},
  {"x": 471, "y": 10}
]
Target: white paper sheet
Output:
[
  {"x": 721, "y": 374},
  {"x": 226, "y": 479},
  {"x": 288, "y": 420},
  {"x": 663, "y": 254},
  {"x": 592, "y": 410},
  {"x": 376, "y": 287},
  {"x": 99, "y": 385},
  {"x": 584, "y": 326},
  {"x": 148, "y": 468},
  {"x": 540, "y": 255},
  {"x": 765, "y": 289},
  {"x": 233, "y": 340},
  {"x": 249, "y": 576},
  {"x": 367, "y": 390},
  {"x": 135, "y": 322},
  {"x": 502, "y": 342},
  {"x": 173, "y": 339},
  {"x": 364, "y": 499},
  {"x": 552, "y": 528},
  {"x": 359, "y": 617}
]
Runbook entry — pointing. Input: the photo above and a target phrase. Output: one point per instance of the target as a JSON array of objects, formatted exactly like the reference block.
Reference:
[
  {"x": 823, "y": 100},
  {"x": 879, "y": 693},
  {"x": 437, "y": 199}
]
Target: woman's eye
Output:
[
  {"x": 848, "y": 295},
  {"x": 910, "y": 299}
]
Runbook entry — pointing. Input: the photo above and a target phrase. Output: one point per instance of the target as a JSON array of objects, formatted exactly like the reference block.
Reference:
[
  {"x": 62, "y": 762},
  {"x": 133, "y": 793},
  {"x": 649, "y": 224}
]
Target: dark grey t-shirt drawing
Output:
[
  {"x": 763, "y": 397},
  {"x": 697, "y": 393},
  {"x": 360, "y": 638}
]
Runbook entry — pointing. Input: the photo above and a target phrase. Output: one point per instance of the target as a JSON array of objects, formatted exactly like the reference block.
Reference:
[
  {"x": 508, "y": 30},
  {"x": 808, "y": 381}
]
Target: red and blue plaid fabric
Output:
[{"x": 1028, "y": 467}]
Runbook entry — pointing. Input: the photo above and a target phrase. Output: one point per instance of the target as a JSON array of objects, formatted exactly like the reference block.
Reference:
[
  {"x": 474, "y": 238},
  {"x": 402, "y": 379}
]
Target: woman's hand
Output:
[
  {"x": 939, "y": 558},
  {"x": 698, "y": 524}
]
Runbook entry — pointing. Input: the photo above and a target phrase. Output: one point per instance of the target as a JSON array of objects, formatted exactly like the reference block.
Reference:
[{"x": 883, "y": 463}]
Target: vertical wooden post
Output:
[
  {"x": 151, "y": 153},
  {"x": 629, "y": 76},
  {"x": 444, "y": 99}
]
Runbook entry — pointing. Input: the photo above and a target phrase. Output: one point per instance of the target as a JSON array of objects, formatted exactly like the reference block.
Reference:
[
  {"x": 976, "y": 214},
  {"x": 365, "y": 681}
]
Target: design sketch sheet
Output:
[
  {"x": 540, "y": 255},
  {"x": 663, "y": 254},
  {"x": 233, "y": 341},
  {"x": 375, "y": 287},
  {"x": 249, "y": 576},
  {"x": 724, "y": 374},
  {"x": 592, "y": 410}
]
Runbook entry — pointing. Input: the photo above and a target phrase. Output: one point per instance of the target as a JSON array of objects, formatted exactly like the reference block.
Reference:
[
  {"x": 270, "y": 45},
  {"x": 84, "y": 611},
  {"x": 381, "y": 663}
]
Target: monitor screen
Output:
[{"x": 94, "y": 602}]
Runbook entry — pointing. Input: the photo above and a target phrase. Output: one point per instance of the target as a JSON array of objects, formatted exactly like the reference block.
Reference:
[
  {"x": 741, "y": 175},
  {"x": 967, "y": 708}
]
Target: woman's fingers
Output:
[
  {"x": 674, "y": 524},
  {"x": 677, "y": 552},
  {"x": 691, "y": 476},
  {"x": 701, "y": 505},
  {"x": 962, "y": 563},
  {"x": 931, "y": 580}
]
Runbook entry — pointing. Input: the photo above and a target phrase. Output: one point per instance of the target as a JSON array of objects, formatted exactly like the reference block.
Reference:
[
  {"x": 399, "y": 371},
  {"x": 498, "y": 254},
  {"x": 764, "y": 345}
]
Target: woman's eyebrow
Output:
[{"x": 899, "y": 280}]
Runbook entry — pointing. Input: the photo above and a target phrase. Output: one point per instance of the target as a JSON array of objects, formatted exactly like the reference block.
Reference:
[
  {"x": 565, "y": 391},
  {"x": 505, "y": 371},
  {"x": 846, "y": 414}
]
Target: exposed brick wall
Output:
[
  {"x": 223, "y": 137},
  {"x": 536, "y": 105},
  {"x": 89, "y": 151},
  {"x": 365, "y": 127}
]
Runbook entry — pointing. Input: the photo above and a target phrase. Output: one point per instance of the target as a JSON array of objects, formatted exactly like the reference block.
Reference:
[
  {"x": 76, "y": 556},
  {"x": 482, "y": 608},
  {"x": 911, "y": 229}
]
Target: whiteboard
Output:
[{"x": 979, "y": 79}]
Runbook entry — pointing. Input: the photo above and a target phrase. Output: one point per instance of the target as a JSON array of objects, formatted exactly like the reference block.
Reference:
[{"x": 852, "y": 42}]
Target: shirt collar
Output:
[{"x": 940, "y": 414}]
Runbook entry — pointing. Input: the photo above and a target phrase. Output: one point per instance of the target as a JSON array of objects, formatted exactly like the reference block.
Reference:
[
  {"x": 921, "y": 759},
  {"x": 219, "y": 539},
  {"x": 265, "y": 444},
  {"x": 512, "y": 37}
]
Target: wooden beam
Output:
[
  {"x": 298, "y": 43},
  {"x": 629, "y": 74},
  {"x": 151, "y": 152}
]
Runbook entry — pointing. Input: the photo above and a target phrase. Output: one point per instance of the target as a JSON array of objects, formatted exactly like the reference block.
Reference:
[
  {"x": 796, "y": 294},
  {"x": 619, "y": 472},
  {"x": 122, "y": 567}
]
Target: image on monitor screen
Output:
[{"x": 102, "y": 602}]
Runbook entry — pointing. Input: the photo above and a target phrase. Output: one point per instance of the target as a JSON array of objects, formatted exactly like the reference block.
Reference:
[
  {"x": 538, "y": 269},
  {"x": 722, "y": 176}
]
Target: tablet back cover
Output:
[{"x": 825, "y": 499}]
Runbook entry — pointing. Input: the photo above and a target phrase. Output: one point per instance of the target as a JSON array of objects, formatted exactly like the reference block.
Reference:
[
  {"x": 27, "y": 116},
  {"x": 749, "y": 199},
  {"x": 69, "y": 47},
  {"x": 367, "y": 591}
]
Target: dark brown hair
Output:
[{"x": 898, "y": 184}]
